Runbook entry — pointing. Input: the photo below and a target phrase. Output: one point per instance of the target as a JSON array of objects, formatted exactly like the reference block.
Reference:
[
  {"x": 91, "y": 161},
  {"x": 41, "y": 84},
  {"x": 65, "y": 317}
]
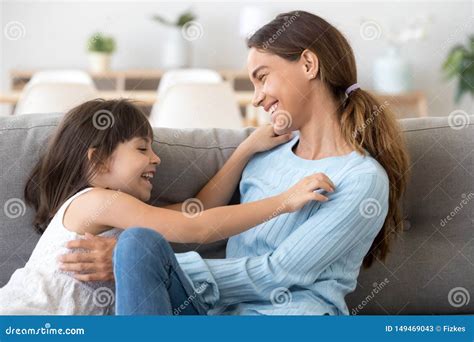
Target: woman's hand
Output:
[
  {"x": 263, "y": 139},
  {"x": 305, "y": 190},
  {"x": 94, "y": 264}
]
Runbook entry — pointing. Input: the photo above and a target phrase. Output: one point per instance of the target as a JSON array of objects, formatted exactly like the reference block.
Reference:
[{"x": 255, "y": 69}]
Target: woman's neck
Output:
[{"x": 320, "y": 136}]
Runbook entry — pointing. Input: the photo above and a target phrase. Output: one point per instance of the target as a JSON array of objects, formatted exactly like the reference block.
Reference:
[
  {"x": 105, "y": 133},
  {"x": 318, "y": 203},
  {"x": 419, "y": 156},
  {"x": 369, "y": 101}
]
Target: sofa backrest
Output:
[{"x": 427, "y": 262}]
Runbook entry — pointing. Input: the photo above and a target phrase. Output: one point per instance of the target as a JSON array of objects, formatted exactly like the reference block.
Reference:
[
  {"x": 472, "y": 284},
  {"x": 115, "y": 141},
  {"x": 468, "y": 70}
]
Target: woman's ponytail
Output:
[{"x": 369, "y": 125}]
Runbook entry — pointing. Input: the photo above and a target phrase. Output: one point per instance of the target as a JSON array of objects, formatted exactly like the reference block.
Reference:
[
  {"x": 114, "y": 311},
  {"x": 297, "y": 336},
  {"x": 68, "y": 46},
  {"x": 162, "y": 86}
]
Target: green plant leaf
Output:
[
  {"x": 100, "y": 43},
  {"x": 162, "y": 20},
  {"x": 460, "y": 63},
  {"x": 453, "y": 62},
  {"x": 185, "y": 18}
]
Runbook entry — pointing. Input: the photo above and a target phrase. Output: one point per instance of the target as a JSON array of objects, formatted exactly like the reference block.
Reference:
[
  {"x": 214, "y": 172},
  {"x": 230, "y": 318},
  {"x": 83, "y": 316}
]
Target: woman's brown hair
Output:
[
  {"x": 65, "y": 168},
  {"x": 366, "y": 124}
]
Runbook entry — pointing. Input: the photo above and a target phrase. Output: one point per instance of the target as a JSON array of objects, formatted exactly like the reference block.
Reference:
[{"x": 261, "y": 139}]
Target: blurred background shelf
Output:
[{"x": 141, "y": 84}]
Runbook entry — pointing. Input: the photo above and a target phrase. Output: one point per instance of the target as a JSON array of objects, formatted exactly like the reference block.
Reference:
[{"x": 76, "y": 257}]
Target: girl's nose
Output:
[{"x": 155, "y": 159}]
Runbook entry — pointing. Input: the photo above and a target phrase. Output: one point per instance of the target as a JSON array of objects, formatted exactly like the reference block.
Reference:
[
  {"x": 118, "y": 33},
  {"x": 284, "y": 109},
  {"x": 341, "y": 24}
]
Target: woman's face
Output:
[{"x": 282, "y": 88}]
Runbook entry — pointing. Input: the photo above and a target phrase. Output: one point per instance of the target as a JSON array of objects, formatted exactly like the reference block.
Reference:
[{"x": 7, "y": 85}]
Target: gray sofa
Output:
[{"x": 429, "y": 271}]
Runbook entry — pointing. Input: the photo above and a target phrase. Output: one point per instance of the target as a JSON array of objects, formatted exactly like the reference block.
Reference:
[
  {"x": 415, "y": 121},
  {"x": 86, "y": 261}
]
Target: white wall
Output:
[{"x": 55, "y": 33}]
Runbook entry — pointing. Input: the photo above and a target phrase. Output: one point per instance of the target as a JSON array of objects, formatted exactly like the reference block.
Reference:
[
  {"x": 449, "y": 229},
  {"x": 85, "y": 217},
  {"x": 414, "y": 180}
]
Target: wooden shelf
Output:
[
  {"x": 141, "y": 85},
  {"x": 119, "y": 78}
]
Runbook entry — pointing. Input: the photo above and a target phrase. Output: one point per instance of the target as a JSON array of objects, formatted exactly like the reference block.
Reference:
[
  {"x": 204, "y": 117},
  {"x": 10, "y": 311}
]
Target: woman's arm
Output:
[
  {"x": 218, "y": 191},
  {"x": 345, "y": 222},
  {"x": 120, "y": 210}
]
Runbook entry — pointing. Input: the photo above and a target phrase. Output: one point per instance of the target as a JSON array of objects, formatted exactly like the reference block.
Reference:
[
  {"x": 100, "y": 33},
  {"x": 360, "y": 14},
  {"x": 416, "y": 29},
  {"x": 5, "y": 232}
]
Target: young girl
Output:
[{"x": 95, "y": 177}]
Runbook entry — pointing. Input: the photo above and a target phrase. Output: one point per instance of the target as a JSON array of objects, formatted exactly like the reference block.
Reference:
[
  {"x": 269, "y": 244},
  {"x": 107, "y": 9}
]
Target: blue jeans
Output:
[{"x": 148, "y": 278}]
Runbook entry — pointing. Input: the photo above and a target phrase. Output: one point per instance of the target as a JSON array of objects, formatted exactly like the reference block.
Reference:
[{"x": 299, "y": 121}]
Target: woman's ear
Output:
[{"x": 310, "y": 64}]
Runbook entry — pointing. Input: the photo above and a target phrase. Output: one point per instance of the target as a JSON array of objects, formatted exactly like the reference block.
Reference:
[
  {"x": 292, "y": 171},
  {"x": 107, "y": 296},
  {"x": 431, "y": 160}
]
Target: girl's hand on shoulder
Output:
[
  {"x": 263, "y": 139},
  {"x": 306, "y": 191}
]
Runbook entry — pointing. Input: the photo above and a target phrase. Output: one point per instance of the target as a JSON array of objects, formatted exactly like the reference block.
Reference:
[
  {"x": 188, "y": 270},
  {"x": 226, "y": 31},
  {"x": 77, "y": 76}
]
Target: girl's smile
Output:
[{"x": 130, "y": 169}]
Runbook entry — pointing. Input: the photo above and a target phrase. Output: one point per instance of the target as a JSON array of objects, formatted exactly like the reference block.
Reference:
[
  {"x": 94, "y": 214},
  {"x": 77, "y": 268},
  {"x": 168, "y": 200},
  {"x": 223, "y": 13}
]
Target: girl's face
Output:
[
  {"x": 282, "y": 88},
  {"x": 130, "y": 169}
]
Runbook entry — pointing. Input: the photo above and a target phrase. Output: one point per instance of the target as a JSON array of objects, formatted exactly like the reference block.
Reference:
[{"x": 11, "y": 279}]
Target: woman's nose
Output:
[{"x": 258, "y": 97}]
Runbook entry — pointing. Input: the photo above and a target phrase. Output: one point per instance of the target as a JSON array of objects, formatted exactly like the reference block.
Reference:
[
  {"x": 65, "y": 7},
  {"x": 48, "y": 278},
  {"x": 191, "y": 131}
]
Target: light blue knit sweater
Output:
[{"x": 299, "y": 263}]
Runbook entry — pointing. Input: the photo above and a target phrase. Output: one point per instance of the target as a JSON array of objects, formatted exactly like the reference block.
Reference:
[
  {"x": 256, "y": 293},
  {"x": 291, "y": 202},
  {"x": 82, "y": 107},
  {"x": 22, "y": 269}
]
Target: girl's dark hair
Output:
[
  {"x": 64, "y": 168},
  {"x": 365, "y": 123}
]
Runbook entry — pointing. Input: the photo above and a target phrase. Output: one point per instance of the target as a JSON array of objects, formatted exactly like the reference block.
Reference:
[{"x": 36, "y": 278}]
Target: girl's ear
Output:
[
  {"x": 90, "y": 156},
  {"x": 90, "y": 153},
  {"x": 310, "y": 64}
]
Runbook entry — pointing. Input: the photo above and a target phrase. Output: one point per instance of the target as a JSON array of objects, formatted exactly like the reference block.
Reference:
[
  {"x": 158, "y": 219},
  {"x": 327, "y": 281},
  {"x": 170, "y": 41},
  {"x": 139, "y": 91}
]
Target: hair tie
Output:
[{"x": 352, "y": 88}]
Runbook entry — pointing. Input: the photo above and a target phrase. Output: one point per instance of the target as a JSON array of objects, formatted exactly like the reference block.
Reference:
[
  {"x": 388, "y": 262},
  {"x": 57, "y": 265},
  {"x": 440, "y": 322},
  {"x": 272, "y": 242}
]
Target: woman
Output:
[{"x": 304, "y": 73}]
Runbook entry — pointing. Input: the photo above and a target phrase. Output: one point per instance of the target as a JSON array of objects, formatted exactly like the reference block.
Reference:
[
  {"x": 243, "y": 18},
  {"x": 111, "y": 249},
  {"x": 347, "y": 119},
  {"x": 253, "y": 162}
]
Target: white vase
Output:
[
  {"x": 175, "y": 49},
  {"x": 99, "y": 61},
  {"x": 392, "y": 73}
]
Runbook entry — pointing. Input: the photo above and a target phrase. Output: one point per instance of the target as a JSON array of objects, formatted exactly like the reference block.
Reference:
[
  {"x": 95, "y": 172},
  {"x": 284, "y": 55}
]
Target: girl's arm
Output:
[
  {"x": 103, "y": 208},
  {"x": 218, "y": 191}
]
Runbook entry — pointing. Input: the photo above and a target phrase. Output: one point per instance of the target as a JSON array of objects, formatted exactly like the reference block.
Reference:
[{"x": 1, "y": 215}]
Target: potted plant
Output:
[
  {"x": 175, "y": 51},
  {"x": 460, "y": 64},
  {"x": 100, "y": 49}
]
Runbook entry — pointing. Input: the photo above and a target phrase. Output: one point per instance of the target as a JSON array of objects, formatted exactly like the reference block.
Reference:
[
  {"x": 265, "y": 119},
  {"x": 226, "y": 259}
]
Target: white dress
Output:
[{"x": 40, "y": 288}]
